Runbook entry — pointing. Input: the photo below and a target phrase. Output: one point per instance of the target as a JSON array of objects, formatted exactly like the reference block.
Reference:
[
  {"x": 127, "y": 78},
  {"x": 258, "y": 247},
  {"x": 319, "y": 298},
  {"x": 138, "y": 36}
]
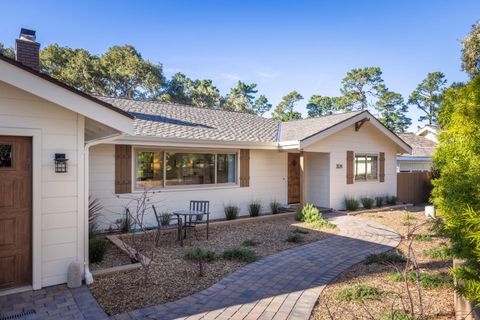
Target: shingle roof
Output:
[
  {"x": 167, "y": 120},
  {"x": 301, "y": 129},
  {"x": 421, "y": 146}
]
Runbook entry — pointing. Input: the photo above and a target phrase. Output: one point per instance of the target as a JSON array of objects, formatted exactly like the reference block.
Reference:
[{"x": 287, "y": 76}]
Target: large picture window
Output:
[
  {"x": 366, "y": 167},
  {"x": 165, "y": 168}
]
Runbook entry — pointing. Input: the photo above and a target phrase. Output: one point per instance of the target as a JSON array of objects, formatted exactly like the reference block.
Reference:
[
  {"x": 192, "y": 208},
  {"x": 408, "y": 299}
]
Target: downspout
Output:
[{"x": 87, "y": 274}]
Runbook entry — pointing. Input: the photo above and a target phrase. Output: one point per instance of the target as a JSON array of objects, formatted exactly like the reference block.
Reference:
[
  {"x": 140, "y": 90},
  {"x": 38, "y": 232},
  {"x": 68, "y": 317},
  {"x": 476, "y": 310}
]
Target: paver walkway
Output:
[{"x": 285, "y": 285}]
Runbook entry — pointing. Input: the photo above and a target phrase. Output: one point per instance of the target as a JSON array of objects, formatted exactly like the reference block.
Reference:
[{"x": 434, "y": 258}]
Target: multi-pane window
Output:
[
  {"x": 172, "y": 168},
  {"x": 366, "y": 167}
]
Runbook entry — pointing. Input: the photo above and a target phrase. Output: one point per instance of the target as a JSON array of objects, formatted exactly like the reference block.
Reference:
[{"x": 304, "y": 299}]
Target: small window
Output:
[
  {"x": 189, "y": 168},
  {"x": 366, "y": 167},
  {"x": 6, "y": 155},
  {"x": 149, "y": 169},
  {"x": 226, "y": 168}
]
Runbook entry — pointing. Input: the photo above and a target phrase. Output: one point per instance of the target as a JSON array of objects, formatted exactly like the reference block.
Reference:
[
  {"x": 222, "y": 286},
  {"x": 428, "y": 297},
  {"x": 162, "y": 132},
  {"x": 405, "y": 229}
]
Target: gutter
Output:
[{"x": 86, "y": 154}]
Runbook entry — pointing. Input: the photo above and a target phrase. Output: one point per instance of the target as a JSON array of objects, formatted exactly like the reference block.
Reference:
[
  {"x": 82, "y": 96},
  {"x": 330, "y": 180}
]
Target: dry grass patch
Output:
[
  {"x": 381, "y": 276},
  {"x": 172, "y": 277}
]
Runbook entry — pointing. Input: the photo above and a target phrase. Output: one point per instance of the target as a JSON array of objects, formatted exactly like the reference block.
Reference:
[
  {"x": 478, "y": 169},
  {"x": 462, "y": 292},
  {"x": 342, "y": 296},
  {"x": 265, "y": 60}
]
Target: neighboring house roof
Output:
[
  {"x": 301, "y": 129},
  {"x": 167, "y": 120},
  {"x": 421, "y": 146}
]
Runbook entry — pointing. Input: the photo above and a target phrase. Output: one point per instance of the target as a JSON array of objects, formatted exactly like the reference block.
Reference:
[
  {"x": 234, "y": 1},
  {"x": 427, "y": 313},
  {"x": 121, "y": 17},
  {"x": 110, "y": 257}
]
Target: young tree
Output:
[
  {"x": 392, "y": 111},
  {"x": 321, "y": 106},
  {"x": 261, "y": 105},
  {"x": 284, "y": 110},
  {"x": 8, "y": 52},
  {"x": 359, "y": 85},
  {"x": 428, "y": 95},
  {"x": 455, "y": 192},
  {"x": 471, "y": 51}
]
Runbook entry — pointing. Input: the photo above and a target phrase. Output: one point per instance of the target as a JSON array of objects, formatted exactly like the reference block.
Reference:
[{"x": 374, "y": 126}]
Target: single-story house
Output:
[
  {"x": 118, "y": 147},
  {"x": 423, "y": 143}
]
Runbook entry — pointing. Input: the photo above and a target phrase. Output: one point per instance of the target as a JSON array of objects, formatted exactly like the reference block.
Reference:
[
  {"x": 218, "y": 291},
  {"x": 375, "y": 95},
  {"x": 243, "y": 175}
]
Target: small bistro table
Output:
[{"x": 185, "y": 219}]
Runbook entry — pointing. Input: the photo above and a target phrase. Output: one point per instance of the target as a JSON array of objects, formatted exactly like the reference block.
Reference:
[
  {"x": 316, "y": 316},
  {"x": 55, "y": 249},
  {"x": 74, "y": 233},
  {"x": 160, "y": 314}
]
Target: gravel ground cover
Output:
[
  {"x": 377, "y": 283},
  {"x": 114, "y": 257},
  {"x": 172, "y": 277}
]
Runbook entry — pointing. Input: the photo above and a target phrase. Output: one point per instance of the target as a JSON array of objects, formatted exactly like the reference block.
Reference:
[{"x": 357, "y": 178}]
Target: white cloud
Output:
[{"x": 268, "y": 75}]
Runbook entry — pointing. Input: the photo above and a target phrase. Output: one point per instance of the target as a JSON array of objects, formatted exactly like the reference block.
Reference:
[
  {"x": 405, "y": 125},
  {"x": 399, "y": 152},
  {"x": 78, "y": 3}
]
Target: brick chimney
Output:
[{"x": 27, "y": 50}]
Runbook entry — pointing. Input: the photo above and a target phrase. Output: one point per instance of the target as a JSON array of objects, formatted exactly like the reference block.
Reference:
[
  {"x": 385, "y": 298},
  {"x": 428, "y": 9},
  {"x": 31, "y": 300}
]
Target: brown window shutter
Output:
[
  {"x": 123, "y": 169},
  {"x": 350, "y": 162},
  {"x": 244, "y": 168},
  {"x": 381, "y": 174}
]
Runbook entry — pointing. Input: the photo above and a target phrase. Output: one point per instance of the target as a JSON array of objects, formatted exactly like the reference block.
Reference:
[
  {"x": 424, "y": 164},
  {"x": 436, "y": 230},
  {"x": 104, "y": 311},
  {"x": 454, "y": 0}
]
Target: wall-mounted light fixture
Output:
[{"x": 60, "y": 163}]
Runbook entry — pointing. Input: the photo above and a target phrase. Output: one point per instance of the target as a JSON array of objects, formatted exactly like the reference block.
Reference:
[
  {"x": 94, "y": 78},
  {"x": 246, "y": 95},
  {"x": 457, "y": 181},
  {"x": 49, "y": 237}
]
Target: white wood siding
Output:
[
  {"x": 367, "y": 140},
  {"x": 417, "y": 165},
  {"x": 318, "y": 179},
  {"x": 267, "y": 183},
  {"x": 61, "y": 132}
]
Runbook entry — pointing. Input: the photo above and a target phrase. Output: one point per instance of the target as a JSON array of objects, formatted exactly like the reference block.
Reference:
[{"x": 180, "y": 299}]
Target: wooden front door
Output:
[
  {"x": 15, "y": 211},
  {"x": 293, "y": 178}
]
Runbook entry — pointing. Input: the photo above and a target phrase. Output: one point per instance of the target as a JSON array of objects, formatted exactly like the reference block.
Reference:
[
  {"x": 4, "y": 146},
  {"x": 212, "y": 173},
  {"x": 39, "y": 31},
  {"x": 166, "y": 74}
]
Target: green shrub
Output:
[
  {"x": 200, "y": 256},
  {"x": 427, "y": 280},
  {"x": 379, "y": 201},
  {"x": 360, "y": 292},
  {"x": 422, "y": 237},
  {"x": 367, "y": 203},
  {"x": 295, "y": 238},
  {"x": 397, "y": 315},
  {"x": 385, "y": 257},
  {"x": 125, "y": 223},
  {"x": 95, "y": 208},
  {"x": 300, "y": 231},
  {"x": 97, "y": 247},
  {"x": 240, "y": 254},
  {"x": 275, "y": 207},
  {"x": 231, "y": 212},
  {"x": 443, "y": 253},
  {"x": 165, "y": 219},
  {"x": 352, "y": 204},
  {"x": 392, "y": 200},
  {"x": 321, "y": 224},
  {"x": 254, "y": 208},
  {"x": 249, "y": 243},
  {"x": 308, "y": 213}
]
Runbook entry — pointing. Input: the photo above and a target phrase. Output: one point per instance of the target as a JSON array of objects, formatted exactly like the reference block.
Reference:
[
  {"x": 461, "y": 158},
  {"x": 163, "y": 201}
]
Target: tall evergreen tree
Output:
[
  {"x": 321, "y": 106},
  {"x": 428, "y": 95},
  {"x": 261, "y": 105},
  {"x": 360, "y": 85},
  {"x": 240, "y": 98},
  {"x": 284, "y": 111},
  {"x": 392, "y": 111},
  {"x": 471, "y": 51}
]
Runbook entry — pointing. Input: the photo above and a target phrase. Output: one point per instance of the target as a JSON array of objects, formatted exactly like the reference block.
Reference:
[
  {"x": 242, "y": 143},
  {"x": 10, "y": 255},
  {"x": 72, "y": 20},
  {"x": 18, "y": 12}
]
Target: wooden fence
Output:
[{"x": 413, "y": 187}]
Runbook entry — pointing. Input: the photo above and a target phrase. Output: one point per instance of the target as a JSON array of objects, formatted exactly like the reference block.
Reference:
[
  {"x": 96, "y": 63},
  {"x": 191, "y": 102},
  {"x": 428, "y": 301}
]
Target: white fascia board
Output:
[
  {"x": 403, "y": 147},
  {"x": 69, "y": 100},
  {"x": 413, "y": 158},
  {"x": 191, "y": 143}
]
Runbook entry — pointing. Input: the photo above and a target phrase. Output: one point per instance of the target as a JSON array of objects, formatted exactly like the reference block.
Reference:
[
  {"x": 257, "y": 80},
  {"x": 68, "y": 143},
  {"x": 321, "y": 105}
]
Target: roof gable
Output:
[{"x": 48, "y": 88}]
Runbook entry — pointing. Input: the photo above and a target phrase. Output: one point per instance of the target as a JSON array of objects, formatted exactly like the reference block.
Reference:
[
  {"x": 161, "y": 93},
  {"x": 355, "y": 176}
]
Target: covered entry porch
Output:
[{"x": 308, "y": 178}]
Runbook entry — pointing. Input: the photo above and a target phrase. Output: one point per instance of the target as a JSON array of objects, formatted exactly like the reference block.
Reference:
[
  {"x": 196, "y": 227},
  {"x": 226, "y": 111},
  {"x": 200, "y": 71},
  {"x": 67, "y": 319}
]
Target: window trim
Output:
[
  {"x": 365, "y": 154},
  {"x": 164, "y": 151}
]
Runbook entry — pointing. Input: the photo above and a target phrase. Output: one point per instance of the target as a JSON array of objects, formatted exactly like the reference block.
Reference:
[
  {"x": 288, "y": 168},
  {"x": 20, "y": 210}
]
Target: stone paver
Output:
[
  {"x": 57, "y": 302},
  {"x": 285, "y": 285},
  {"x": 282, "y": 286}
]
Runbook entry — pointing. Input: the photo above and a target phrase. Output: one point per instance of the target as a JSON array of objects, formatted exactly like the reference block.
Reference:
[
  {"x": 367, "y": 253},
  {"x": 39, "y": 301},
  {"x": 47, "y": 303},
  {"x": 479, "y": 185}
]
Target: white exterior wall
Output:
[
  {"x": 58, "y": 214},
  {"x": 417, "y": 165},
  {"x": 367, "y": 140},
  {"x": 318, "y": 179},
  {"x": 267, "y": 183}
]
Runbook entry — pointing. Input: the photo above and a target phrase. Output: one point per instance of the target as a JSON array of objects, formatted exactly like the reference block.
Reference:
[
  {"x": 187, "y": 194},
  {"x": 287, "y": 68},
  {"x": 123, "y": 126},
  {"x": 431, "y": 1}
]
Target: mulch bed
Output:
[
  {"x": 438, "y": 302},
  {"x": 172, "y": 277}
]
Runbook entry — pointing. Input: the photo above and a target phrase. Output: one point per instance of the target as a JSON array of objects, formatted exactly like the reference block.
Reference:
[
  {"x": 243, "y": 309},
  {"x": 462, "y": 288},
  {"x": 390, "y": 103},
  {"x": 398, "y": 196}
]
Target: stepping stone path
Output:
[{"x": 285, "y": 285}]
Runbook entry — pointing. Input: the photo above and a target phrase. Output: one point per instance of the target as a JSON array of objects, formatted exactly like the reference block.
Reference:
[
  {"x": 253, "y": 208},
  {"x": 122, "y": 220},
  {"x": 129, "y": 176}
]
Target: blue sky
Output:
[{"x": 282, "y": 46}]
